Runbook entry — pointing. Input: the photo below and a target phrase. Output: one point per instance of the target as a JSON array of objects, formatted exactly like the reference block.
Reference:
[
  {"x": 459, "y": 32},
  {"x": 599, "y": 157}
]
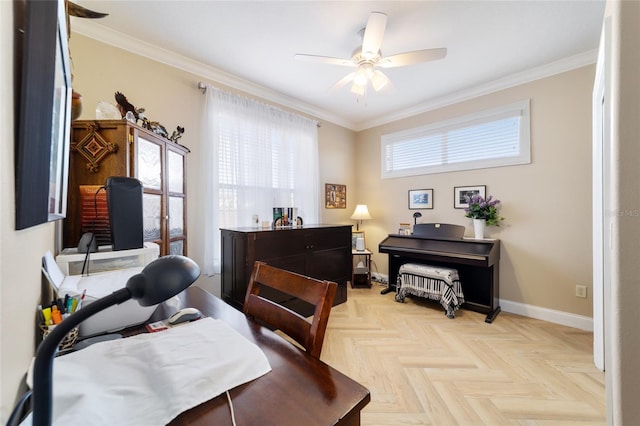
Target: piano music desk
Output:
[{"x": 477, "y": 262}]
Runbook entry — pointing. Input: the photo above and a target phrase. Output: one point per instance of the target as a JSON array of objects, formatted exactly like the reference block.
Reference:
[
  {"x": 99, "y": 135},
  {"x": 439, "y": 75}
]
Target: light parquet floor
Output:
[{"x": 423, "y": 368}]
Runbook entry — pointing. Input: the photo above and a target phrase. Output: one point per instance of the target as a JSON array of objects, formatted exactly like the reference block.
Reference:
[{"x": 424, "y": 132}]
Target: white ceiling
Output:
[{"x": 250, "y": 45}]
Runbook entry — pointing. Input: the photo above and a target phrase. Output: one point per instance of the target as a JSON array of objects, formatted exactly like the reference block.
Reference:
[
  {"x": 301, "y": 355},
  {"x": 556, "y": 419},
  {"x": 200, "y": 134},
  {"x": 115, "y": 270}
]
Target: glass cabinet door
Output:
[
  {"x": 149, "y": 164},
  {"x": 151, "y": 212},
  {"x": 176, "y": 202},
  {"x": 160, "y": 166},
  {"x": 175, "y": 172}
]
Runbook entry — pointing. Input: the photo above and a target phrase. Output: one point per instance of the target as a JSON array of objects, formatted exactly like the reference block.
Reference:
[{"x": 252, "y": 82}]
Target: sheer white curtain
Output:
[{"x": 256, "y": 157}]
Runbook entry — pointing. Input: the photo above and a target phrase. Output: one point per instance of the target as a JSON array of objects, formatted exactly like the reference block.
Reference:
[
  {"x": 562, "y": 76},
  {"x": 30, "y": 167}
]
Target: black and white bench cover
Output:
[{"x": 431, "y": 282}]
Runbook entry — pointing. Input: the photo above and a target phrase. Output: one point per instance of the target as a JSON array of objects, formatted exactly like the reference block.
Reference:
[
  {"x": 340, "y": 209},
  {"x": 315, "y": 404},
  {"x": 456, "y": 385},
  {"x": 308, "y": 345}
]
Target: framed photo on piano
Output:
[{"x": 461, "y": 195}]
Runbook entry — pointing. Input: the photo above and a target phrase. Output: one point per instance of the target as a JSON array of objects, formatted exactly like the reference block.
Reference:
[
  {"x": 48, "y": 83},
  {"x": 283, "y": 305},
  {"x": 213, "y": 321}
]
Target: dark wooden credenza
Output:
[
  {"x": 318, "y": 251},
  {"x": 477, "y": 262}
]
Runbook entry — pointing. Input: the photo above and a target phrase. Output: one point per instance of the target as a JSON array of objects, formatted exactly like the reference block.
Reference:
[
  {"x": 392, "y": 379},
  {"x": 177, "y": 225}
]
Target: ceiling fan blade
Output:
[
  {"x": 410, "y": 58},
  {"x": 373, "y": 34},
  {"x": 325, "y": 60},
  {"x": 343, "y": 81}
]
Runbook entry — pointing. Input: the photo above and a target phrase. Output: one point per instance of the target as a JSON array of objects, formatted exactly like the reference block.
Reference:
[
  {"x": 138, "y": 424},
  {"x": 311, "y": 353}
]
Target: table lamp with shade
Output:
[
  {"x": 360, "y": 213},
  {"x": 159, "y": 280}
]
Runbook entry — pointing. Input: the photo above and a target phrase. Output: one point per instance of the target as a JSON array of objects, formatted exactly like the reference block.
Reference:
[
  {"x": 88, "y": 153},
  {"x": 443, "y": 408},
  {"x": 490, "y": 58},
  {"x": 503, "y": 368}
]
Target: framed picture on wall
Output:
[
  {"x": 335, "y": 196},
  {"x": 461, "y": 195},
  {"x": 420, "y": 199}
]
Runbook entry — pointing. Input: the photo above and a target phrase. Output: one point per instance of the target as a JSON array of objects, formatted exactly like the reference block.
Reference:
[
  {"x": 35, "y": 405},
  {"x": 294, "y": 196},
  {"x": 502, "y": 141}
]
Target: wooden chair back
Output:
[{"x": 309, "y": 334}]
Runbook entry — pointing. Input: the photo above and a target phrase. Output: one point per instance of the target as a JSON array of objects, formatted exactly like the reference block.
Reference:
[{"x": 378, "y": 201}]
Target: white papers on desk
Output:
[{"x": 149, "y": 379}]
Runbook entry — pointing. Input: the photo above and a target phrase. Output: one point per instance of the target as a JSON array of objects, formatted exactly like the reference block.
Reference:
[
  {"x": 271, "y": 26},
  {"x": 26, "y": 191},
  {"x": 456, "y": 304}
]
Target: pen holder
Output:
[{"x": 68, "y": 341}]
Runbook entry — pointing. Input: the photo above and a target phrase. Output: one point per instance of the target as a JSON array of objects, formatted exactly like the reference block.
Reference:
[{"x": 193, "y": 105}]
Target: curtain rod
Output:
[{"x": 203, "y": 87}]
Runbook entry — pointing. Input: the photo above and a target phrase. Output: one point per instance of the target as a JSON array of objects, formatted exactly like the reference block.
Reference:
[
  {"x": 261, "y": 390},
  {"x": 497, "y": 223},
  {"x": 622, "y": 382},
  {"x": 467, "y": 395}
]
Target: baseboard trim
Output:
[{"x": 557, "y": 317}]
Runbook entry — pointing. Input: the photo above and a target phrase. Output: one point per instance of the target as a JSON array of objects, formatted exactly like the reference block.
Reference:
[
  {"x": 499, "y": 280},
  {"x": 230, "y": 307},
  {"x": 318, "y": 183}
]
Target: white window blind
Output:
[{"x": 492, "y": 138}]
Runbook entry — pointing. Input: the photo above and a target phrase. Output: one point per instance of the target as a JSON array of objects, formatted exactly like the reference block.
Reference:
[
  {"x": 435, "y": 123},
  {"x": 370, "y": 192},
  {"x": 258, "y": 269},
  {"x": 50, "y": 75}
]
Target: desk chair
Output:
[{"x": 316, "y": 292}]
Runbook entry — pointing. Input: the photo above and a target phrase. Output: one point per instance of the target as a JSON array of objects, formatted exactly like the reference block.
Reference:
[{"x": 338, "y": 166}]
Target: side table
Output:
[{"x": 361, "y": 275}]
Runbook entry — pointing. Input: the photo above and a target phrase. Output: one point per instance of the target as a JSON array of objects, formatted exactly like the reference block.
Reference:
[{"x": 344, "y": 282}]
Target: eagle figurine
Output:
[{"x": 125, "y": 106}]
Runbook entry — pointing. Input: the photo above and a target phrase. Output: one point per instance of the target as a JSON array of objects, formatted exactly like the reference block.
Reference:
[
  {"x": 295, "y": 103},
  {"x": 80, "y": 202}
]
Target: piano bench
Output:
[{"x": 431, "y": 282}]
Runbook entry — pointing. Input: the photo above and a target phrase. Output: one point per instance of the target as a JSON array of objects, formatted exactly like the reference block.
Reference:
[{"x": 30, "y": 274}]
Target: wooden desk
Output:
[{"x": 299, "y": 390}]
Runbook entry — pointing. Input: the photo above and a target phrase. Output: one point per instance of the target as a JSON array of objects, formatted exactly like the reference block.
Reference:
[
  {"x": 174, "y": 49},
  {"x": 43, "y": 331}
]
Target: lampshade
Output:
[
  {"x": 360, "y": 213},
  {"x": 163, "y": 278},
  {"x": 159, "y": 280}
]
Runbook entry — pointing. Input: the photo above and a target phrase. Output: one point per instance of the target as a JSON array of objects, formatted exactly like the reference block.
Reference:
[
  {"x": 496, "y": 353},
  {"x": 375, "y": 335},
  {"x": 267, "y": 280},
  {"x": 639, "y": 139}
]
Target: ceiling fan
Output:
[{"x": 368, "y": 57}]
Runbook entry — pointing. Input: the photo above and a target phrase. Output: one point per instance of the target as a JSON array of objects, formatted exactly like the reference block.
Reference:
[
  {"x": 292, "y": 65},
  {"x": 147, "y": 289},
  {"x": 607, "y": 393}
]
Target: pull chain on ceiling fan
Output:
[{"x": 368, "y": 57}]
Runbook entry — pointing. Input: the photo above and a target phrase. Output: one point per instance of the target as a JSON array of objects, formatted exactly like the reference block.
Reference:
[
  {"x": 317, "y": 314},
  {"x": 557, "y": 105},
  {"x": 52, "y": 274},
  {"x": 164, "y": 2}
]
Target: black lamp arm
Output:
[{"x": 43, "y": 364}]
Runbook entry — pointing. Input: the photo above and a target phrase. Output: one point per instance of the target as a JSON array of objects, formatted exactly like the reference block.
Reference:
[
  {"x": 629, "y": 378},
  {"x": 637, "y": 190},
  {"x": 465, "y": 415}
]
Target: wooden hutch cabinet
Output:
[
  {"x": 103, "y": 148},
  {"x": 318, "y": 251}
]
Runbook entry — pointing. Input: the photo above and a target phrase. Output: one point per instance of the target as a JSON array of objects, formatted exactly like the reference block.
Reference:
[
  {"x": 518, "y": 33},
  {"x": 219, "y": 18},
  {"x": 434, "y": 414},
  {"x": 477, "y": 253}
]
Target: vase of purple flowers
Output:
[{"x": 483, "y": 212}]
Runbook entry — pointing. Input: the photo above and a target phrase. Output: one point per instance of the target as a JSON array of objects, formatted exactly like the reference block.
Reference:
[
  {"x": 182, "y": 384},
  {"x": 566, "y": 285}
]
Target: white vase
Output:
[{"x": 478, "y": 228}]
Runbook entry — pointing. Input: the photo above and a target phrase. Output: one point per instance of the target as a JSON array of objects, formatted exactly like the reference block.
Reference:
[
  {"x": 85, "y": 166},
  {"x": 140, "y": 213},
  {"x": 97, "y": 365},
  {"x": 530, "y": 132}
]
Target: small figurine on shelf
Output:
[
  {"x": 177, "y": 134},
  {"x": 155, "y": 127}
]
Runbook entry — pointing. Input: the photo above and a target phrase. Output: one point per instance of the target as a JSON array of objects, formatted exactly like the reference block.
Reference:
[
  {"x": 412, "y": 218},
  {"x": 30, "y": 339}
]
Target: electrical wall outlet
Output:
[{"x": 581, "y": 291}]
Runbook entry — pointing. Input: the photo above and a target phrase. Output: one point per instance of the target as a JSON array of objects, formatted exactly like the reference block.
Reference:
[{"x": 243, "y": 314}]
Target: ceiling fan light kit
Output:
[{"x": 369, "y": 56}]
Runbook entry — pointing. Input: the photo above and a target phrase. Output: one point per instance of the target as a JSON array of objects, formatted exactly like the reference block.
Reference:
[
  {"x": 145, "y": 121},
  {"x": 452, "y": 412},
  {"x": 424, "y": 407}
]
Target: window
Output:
[
  {"x": 498, "y": 137},
  {"x": 257, "y": 157}
]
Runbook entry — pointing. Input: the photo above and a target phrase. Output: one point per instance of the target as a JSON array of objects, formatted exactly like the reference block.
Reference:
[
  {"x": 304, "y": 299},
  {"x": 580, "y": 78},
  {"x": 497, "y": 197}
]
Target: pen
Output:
[
  {"x": 84, "y": 292},
  {"x": 40, "y": 315},
  {"x": 68, "y": 303}
]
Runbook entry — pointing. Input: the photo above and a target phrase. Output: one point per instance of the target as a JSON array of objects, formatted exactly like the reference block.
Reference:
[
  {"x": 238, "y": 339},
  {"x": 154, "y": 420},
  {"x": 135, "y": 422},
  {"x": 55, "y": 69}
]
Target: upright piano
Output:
[{"x": 477, "y": 262}]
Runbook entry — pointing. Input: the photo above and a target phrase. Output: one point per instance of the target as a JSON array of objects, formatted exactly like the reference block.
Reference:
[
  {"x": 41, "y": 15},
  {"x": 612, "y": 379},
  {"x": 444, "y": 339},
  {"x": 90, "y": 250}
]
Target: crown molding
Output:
[
  {"x": 108, "y": 36},
  {"x": 563, "y": 65},
  {"x": 120, "y": 40}
]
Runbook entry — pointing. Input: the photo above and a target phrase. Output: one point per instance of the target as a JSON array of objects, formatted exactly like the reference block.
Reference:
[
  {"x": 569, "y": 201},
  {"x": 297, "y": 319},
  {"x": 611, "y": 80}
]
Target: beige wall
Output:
[
  {"x": 337, "y": 153},
  {"x": 546, "y": 237}
]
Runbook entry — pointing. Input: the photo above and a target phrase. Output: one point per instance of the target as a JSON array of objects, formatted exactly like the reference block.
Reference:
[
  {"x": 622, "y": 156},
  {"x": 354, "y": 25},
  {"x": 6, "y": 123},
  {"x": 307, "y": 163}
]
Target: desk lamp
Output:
[
  {"x": 360, "y": 213},
  {"x": 416, "y": 215},
  {"x": 159, "y": 280}
]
